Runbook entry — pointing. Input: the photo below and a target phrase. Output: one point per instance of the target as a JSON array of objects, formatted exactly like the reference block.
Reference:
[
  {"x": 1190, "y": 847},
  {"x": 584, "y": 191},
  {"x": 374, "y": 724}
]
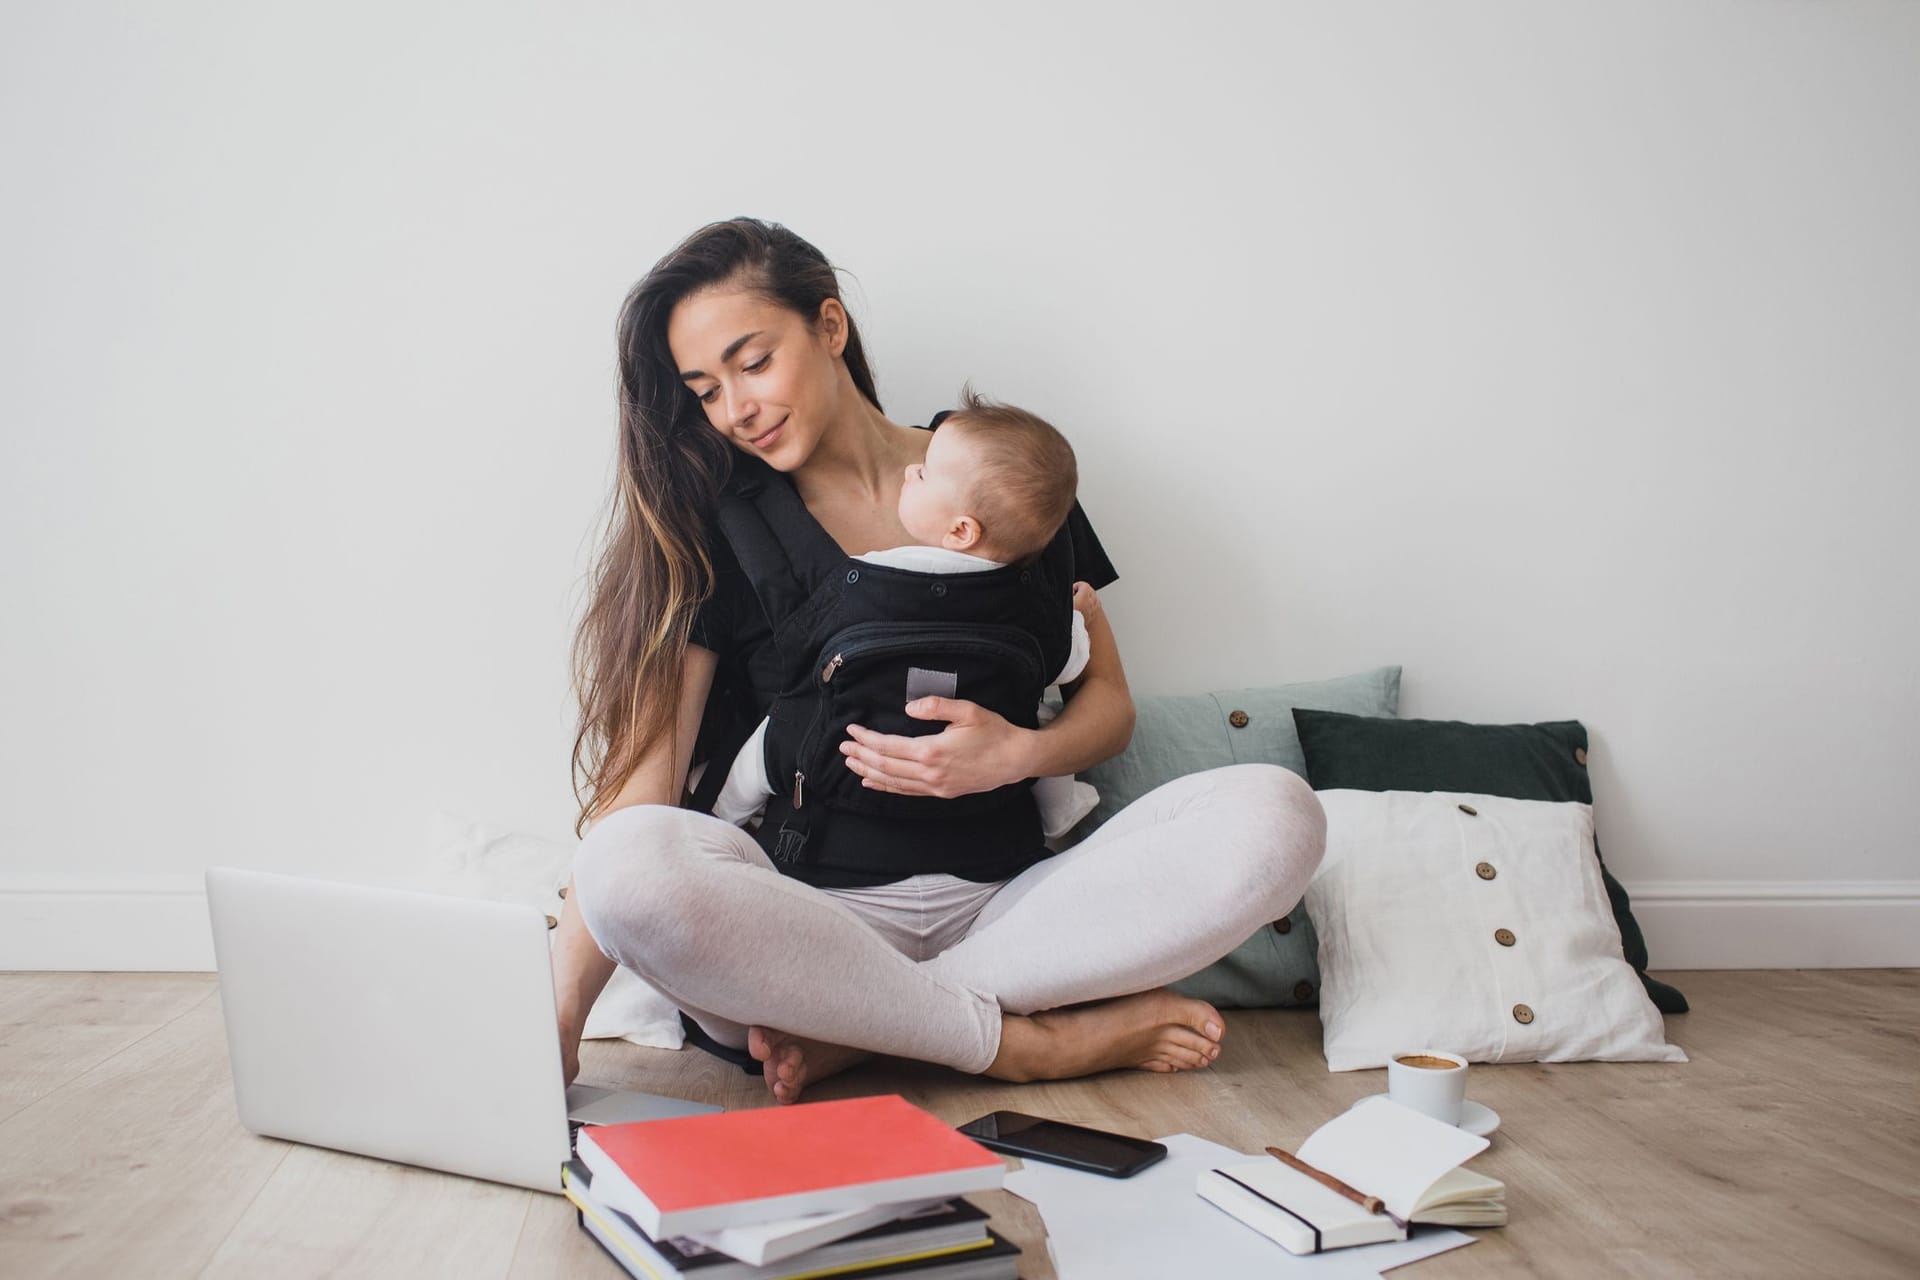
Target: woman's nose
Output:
[{"x": 739, "y": 409}]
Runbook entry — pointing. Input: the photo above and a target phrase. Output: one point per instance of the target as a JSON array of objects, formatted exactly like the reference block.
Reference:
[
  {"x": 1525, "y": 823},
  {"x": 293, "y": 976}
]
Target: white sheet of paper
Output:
[
  {"x": 1389, "y": 1151},
  {"x": 1154, "y": 1225}
]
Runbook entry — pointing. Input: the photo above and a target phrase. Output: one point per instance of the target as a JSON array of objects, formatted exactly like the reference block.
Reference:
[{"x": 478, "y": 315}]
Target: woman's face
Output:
[{"x": 768, "y": 383}]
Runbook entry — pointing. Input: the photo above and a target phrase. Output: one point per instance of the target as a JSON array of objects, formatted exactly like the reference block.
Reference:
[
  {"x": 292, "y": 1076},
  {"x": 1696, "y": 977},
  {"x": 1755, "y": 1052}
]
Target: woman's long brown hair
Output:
[{"x": 655, "y": 568}]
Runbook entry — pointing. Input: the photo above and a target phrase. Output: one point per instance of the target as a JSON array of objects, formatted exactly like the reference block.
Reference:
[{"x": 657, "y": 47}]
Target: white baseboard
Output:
[
  {"x": 1773, "y": 924},
  {"x": 159, "y": 924},
  {"x": 148, "y": 924}
]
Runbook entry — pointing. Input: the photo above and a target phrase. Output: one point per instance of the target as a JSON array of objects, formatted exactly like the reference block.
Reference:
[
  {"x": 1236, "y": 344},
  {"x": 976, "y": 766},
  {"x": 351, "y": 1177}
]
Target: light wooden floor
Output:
[{"x": 1789, "y": 1146}]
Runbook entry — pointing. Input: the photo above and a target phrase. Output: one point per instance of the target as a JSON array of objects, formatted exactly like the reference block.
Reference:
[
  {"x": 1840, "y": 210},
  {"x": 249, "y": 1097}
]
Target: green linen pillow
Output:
[
  {"x": 1175, "y": 735},
  {"x": 1517, "y": 761}
]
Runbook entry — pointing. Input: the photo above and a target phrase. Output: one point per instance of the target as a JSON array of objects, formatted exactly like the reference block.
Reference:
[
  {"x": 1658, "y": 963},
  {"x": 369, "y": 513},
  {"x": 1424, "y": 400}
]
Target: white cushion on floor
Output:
[
  {"x": 1409, "y": 957},
  {"x": 474, "y": 860}
]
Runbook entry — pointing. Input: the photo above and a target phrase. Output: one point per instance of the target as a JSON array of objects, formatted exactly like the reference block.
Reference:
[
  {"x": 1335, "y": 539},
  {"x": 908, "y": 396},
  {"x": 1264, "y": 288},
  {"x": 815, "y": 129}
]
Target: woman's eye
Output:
[
  {"x": 706, "y": 397},
  {"x": 759, "y": 364}
]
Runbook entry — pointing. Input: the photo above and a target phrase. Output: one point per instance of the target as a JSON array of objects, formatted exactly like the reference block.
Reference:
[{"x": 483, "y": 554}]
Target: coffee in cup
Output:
[
  {"x": 1431, "y": 1081},
  {"x": 1427, "y": 1061}
]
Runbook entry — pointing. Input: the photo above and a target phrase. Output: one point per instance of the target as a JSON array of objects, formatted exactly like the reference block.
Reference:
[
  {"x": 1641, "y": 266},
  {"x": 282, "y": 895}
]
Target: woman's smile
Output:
[{"x": 771, "y": 438}]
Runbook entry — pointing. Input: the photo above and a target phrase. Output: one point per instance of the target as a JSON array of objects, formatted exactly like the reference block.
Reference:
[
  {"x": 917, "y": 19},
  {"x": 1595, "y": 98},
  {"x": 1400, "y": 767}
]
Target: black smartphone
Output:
[{"x": 1057, "y": 1142}]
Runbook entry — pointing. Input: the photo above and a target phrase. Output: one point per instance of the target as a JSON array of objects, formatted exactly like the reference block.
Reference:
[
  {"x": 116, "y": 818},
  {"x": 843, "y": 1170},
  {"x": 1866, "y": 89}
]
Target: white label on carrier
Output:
[{"x": 922, "y": 683}]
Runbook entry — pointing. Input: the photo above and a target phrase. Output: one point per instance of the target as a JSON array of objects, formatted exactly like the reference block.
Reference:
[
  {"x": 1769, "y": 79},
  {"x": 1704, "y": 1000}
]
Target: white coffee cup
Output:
[{"x": 1436, "y": 1091}]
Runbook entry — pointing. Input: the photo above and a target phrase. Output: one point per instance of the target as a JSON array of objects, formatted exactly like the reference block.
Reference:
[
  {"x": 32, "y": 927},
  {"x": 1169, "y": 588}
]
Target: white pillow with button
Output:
[{"x": 1475, "y": 924}]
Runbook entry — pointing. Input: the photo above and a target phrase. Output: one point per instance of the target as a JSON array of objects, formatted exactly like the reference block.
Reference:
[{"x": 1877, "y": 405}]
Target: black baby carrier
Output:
[{"x": 853, "y": 643}]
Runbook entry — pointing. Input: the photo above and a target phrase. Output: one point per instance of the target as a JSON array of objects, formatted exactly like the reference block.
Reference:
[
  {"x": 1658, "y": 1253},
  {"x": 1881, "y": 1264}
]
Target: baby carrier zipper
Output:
[
  {"x": 826, "y": 678},
  {"x": 799, "y": 774}
]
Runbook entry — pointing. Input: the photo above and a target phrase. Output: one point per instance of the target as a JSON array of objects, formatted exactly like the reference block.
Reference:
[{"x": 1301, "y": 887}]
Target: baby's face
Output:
[{"x": 939, "y": 491}]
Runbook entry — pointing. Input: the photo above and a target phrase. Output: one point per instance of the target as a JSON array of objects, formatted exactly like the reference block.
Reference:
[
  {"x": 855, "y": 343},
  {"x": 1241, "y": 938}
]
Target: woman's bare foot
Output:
[
  {"x": 1154, "y": 1031},
  {"x": 790, "y": 1063}
]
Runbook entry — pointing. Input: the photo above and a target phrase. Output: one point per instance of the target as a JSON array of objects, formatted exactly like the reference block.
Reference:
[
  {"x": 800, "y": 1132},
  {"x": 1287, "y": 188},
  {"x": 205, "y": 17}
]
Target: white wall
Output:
[{"x": 1564, "y": 354}]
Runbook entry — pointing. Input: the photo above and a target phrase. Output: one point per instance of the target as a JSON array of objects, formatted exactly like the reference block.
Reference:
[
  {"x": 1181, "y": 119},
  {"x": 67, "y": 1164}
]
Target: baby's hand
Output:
[{"x": 1086, "y": 600}]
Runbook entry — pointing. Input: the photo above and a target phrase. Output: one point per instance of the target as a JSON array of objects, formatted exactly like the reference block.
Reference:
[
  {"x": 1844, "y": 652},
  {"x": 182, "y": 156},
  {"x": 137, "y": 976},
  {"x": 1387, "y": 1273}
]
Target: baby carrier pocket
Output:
[{"x": 865, "y": 674}]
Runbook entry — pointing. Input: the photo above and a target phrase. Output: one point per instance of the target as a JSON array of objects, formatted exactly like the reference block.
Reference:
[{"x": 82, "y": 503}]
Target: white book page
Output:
[
  {"x": 1463, "y": 1184},
  {"x": 1387, "y": 1150},
  {"x": 764, "y": 1243}
]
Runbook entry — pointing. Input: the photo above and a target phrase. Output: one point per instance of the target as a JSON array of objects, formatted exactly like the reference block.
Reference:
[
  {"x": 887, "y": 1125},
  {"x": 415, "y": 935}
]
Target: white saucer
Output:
[{"x": 1474, "y": 1118}]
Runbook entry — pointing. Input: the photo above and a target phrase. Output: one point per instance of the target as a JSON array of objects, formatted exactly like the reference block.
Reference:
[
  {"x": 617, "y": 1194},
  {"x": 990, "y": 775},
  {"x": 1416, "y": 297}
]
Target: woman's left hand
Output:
[{"x": 977, "y": 751}]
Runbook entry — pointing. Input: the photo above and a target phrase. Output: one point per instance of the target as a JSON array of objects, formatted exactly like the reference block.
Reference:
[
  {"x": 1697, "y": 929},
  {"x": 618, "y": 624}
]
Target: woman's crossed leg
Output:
[{"x": 1062, "y": 973}]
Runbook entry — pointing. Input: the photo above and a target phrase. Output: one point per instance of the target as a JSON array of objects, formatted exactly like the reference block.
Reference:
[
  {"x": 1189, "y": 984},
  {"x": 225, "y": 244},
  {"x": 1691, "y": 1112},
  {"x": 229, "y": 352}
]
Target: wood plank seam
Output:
[{"x": 80, "y": 1076}]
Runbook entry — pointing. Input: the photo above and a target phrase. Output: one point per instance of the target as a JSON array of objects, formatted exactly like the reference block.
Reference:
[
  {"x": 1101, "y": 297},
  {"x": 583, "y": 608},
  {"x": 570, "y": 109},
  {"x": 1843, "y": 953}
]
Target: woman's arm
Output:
[
  {"x": 979, "y": 750},
  {"x": 1100, "y": 698},
  {"x": 580, "y": 970}
]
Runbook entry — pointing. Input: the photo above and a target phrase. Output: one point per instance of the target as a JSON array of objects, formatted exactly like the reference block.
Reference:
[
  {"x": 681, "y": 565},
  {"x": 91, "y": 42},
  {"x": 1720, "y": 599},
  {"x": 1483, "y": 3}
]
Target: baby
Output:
[{"x": 996, "y": 486}]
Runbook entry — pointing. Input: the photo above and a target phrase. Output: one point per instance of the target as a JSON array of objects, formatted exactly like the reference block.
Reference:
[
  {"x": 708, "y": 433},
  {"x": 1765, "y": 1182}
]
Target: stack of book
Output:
[{"x": 867, "y": 1187}]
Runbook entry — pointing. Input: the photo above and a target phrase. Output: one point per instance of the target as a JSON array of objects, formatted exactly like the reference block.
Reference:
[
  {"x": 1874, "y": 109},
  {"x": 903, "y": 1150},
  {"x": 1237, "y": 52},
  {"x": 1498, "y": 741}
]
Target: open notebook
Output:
[{"x": 1409, "y": 1161}]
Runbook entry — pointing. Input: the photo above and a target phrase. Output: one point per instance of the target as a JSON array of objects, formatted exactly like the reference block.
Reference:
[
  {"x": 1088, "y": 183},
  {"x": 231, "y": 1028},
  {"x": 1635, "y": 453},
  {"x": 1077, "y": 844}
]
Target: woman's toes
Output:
[
  {"x": 782, "y": 1062},
  {"x": 789, "y": 1063},
  {"x": 1191, "y": 1040},
  {"x": 1197, "y": 1017}
]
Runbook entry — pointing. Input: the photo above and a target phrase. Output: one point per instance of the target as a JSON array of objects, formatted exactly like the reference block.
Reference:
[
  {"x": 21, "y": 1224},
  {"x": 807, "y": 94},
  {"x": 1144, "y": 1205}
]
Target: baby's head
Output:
[{"x": 998, "y": 482}]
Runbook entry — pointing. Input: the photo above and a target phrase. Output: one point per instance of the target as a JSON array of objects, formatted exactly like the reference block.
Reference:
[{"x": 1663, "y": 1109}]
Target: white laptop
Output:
[{"x": 403, "y": 1025}]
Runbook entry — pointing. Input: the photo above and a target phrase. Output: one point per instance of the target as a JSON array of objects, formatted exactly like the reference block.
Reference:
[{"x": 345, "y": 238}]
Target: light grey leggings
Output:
[{"x": 1167, "y": 886}]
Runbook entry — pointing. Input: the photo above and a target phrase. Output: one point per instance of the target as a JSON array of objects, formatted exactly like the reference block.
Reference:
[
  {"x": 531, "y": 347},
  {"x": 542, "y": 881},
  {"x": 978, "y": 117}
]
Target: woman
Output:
[{"x": 737, "y": 342}]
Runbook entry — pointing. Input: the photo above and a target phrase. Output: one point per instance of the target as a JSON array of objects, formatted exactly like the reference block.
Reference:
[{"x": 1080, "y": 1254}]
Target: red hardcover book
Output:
[{"x": 699, "y": 1173}]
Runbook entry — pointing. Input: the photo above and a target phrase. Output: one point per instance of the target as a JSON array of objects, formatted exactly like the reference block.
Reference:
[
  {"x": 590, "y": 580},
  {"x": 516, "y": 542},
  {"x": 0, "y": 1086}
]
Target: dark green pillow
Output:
[{"x": 1518, "y": 761}]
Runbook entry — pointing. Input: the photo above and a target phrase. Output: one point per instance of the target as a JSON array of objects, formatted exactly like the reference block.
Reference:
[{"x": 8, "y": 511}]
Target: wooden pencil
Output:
[{"x": 1372, "y": 1204}]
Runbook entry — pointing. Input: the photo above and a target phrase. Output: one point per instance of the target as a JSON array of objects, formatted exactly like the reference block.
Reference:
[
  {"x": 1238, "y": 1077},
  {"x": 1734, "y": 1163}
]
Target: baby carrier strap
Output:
[
  {"x": 786, "y": 557},
  {"x": 781, "y": 548}
]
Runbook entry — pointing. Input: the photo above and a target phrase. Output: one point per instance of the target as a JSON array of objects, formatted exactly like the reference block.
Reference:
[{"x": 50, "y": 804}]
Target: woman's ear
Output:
[{"x": 833, "y": 325}]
